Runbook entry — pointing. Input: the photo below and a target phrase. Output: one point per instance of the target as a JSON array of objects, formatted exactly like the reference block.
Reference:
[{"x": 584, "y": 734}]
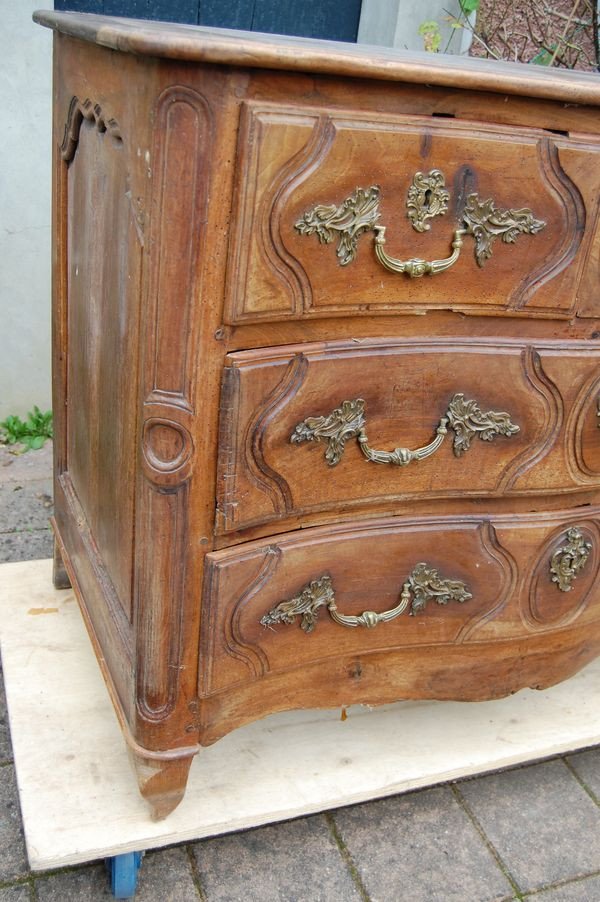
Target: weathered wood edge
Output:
[{"x": 223, "y": 46}]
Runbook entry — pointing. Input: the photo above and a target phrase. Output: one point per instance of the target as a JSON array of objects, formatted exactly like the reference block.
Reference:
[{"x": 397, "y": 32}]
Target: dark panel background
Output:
[{"x": 329, "y": 19}]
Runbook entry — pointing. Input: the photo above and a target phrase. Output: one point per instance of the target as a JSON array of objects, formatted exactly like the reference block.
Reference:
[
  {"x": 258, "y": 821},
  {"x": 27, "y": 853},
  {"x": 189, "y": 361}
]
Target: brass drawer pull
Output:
[
  {"x": 415, "y": 267},
  {"x": 347, "y": 421},
  {"x": 423, "y": 585},
  {"x": 427, "y": 197},
  {"x": 569, "y": 560}
]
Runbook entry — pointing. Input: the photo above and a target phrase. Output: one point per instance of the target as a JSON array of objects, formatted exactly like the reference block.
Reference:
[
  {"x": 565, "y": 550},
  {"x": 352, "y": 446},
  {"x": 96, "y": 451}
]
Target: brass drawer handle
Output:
[
  {"x": 415, "y": 267},
  {"x": 424, "y": 584},
  {"x": 569, "y": 560},
  {"x": 427, "y": 197},
  {"x": 347, "y": 421}
]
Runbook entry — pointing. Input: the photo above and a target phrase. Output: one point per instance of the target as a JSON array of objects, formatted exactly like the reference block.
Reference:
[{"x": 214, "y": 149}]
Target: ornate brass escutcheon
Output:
[
  {"x": 427, "y": 197},
  {"x": 569, "y": 560},
  {"x": 424, "y": 584},
  {"x": 347, "y": 421}
]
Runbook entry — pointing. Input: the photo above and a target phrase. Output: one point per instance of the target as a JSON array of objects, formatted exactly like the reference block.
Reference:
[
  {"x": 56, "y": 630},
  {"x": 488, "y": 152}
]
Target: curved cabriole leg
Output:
[
  {"x": 162, "y": 782},
  {"x": 60, "y": 577}
]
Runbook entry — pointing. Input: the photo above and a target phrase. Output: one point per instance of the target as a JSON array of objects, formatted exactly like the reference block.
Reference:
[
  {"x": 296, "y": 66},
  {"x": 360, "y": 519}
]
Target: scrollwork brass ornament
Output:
[
  {"x": 345, "y": 422},
  {"x": 485, "y": 224},
  {"x": 569, "y": 560},
  {"x": 465, "y": 418},
  {"x": 357, "y": 214},
  {"x": 424, "y": 584},
  {"x": 427, "y": 197},
  {"x": 305, "y": 605}
]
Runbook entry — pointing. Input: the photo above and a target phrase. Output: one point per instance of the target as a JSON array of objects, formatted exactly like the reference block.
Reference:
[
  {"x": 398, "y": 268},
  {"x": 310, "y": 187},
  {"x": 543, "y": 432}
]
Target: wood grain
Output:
[
  {"x": 368, "y": 564},
  {"x": 193, "y": 329},
  {"x": 291, "y": 162},
  {"x": 228, "y": 47},
  {"x": 406, "y": 387}
]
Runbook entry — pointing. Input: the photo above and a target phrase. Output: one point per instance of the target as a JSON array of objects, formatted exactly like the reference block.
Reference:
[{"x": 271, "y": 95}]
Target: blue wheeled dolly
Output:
[{"x": 123, "y": 872}]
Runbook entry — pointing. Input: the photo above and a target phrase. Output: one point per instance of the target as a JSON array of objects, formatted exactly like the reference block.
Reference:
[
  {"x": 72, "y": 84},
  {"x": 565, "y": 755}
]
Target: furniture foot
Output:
[
  {"x": 162, "y": 782},
  {"x": 60, "y": 577},
  {"x": 123, "y": 872}
]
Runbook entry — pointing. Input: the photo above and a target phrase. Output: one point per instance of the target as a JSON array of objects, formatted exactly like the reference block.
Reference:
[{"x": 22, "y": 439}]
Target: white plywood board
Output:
[{"x": 78, "y": 795}]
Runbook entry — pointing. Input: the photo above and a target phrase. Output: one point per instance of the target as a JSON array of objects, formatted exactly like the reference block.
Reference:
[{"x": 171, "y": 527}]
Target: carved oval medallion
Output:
[
  {"x": 167, "y": 445},
  {"x": 548, "y": 606}
]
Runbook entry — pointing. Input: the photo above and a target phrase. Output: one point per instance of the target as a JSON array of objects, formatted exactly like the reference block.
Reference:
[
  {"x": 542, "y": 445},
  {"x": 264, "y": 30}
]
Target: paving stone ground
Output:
[{"x": 529, "y": 833}]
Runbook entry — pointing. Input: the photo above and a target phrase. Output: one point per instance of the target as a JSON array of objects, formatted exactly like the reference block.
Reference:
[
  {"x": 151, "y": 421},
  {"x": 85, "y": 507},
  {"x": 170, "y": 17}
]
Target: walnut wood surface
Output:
[
  {"x": 225, "y": 46},
  {"x": 186, "y": 351},
  {"x": 289, "y": 162},
  {"x": 549, "y": 392},
  {"x": 504, "y": 562}
]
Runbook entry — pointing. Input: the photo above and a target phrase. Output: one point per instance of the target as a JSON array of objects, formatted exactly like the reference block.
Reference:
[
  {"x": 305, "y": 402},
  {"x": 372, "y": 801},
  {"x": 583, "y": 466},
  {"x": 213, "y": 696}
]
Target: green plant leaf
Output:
[
  {"x": 469, "y": 6},
  {"x": 432, "y": 36},
  {"x": 32, "y": 433},
  {"x": 543, "y": 58}
]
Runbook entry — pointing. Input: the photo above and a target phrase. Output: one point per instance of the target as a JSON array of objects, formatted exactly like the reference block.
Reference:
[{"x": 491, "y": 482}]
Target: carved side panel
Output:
[
  {"x": 291, "y": 162},
  {"x": 104, "y": 247},
  {"x": 180, "y": 195}
]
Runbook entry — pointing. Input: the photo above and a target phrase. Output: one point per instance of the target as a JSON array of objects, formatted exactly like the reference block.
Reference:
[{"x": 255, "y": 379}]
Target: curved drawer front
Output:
[
  {"x": 333, "y": 426},
  {"x": 304, "y": 239},
  {"x": 294, "y": 601}
]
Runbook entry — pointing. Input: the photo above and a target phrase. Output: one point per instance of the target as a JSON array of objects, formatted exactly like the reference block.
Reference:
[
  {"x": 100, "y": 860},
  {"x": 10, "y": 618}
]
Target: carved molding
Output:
[
  {"x": 505, "y": 583},
  {"x": 166, "y": 445},
  {"x": 261, "y": 216},
  {"x": 159, "y": 603},
  {"x": 286, "y": 267},
  {"x": 175, "y": 293},
  {"x": 252, "y": 655},
  {"x": 549, "y": 421},
  {"x": 586, "y": 404},
  {"x": 169, "y": 386},
  {"x": 90, "y": 112},
  {"x": 265, "y": 477},
  {"x": 224, "y": 626},
  {"x": 572, "y": 205}
]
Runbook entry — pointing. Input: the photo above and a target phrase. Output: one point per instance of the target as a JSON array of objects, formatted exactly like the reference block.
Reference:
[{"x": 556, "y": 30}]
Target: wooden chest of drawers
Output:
[{"x": 327, "y": 375}]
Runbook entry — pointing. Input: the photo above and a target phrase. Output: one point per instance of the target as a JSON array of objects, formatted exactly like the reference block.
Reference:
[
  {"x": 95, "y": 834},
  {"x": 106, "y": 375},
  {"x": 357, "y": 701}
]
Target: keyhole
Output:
[{"x": 428, "y": 196}]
